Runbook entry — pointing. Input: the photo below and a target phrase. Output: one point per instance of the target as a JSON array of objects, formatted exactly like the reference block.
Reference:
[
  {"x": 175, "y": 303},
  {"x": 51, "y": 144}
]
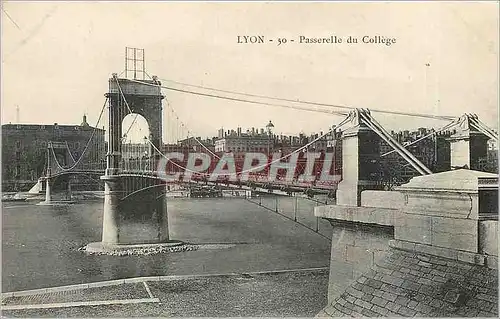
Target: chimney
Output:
[{"x": 84, "y": 120}]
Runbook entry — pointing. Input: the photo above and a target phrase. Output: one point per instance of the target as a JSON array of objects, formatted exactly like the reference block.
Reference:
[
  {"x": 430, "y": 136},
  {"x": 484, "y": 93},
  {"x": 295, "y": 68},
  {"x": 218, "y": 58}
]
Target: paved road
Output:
[{"x": 294, "y": 294}]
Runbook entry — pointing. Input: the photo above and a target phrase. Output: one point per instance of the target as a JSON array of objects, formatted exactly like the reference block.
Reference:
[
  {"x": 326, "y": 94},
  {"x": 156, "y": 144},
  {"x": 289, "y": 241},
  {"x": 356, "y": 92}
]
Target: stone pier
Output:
[
  {"x": 135, "y": 210},
  {"x": 48, "y": 193}
]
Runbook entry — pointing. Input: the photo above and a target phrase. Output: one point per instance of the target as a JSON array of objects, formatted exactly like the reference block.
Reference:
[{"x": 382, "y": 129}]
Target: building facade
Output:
[
  {"x": 251, "y": 141},
  {"x": 24, "y": 149},
  {"x": 197, "y": 144},
  {"x": 433, "y": 151}
]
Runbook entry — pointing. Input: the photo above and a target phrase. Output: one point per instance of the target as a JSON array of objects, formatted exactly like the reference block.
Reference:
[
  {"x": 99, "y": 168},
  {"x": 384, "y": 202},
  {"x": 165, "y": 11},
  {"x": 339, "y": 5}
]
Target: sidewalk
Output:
[{"x": 301, "y": 293}]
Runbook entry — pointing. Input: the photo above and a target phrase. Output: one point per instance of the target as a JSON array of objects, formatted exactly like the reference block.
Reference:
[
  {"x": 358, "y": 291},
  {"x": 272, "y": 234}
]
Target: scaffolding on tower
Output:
[{"x": 135, "y": 67}]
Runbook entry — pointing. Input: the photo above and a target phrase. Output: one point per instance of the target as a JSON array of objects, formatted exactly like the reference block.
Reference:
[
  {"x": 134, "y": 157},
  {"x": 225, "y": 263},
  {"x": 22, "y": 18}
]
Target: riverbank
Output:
[{"x": 33, "y": 197}]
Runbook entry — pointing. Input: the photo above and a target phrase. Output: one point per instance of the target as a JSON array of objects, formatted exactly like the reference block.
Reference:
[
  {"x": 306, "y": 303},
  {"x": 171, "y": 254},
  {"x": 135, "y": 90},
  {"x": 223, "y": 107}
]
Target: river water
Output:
[{"x": 40, "y": 242}]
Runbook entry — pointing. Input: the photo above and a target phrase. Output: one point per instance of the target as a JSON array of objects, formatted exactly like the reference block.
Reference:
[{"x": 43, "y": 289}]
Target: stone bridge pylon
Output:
[{"x": 135, "y": 208}]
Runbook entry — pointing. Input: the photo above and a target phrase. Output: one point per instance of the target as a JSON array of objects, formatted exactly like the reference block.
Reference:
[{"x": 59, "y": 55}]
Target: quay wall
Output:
[{"x": 435, "y": 217}]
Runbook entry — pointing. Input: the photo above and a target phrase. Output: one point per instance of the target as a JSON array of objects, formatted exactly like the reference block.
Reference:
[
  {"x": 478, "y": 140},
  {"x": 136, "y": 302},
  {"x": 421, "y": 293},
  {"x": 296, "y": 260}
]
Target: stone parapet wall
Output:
[
  {"x": 382, "y": 199},
  {"x": 442, "y": 210},
  {"x": 452, "y": 233},
  {"x": 355, "y": 248},
  {"x": 365, "y": 215}
]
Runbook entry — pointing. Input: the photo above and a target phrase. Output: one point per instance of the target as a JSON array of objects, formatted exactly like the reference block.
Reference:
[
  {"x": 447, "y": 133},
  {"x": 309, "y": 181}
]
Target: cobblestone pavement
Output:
[
  {"x": 290, "y": 294},
  {"x": 405, "y": 284}
]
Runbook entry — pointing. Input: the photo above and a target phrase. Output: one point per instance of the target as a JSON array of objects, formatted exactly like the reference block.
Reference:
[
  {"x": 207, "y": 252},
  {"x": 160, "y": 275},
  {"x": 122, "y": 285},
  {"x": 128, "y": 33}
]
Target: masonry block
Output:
[
  {"x": 456, "y": 205},
  {"x": 382, "y": 199},
  {"x": 414, "y": 228},
  {"x": 442, "y": 210},
  {"x": 488, "y": 234},
  {"x": 366, "y": 215},
  {"x": 461, "y": 234},
  {"x": 347, "y": 193},
  {"x": 360, "y": 151},
  {"x": 467, "y": 242}
]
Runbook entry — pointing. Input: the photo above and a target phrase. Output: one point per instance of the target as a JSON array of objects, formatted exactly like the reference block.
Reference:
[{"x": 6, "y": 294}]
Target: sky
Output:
[{"x": 57, "y": 58}]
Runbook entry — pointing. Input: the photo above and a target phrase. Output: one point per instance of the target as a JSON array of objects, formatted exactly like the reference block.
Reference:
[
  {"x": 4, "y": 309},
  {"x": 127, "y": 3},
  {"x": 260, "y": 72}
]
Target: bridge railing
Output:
[{"x": 261, "y": 180}]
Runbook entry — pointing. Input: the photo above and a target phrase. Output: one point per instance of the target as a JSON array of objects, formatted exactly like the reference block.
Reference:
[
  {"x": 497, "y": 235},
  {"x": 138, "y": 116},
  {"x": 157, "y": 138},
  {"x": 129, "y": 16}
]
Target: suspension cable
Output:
[
  {"x": 436, "y": 117},
  {"x": 289, "y": 218},
  {"x": 69, "y": 152},
  {"x": 483, "y": 128},
  {"x": 343, "y": 122},
  {"x": 444, "y": 128},
  {"x": 380, "y": 131},
  {"x": 218, "y": 157},
  {"x": 131, "y": 124},
  {"x": 199, "y": 142},
  {"x": 243, "y": 100},
  {"x": 88, "y": 142},
  {"x": 202, "y": 145}
]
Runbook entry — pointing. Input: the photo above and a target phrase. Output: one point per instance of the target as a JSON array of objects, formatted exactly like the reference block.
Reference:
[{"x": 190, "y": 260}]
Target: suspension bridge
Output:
[{"x": 135, "y": 187}]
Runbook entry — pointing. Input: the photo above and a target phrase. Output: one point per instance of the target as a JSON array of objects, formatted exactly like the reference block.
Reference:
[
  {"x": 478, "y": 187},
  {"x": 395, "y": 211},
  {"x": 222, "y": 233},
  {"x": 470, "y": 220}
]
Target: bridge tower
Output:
[
  {"x": 360, "y": 161},
  {"x": 57, "y": 152},
  {"x": 468, "y": 145},
  {"x": 142, "y": 218}
]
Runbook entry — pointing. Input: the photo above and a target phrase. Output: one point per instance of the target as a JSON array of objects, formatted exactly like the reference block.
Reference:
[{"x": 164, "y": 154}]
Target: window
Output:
[
  {"x": 18, "y": 144},
  {"x": 18, "y": 156}
]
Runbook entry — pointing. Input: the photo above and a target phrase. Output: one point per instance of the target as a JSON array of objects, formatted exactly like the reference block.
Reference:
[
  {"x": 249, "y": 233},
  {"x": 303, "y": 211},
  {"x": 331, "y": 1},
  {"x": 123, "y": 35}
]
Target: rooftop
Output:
[{"x": 54, "y": 126}]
